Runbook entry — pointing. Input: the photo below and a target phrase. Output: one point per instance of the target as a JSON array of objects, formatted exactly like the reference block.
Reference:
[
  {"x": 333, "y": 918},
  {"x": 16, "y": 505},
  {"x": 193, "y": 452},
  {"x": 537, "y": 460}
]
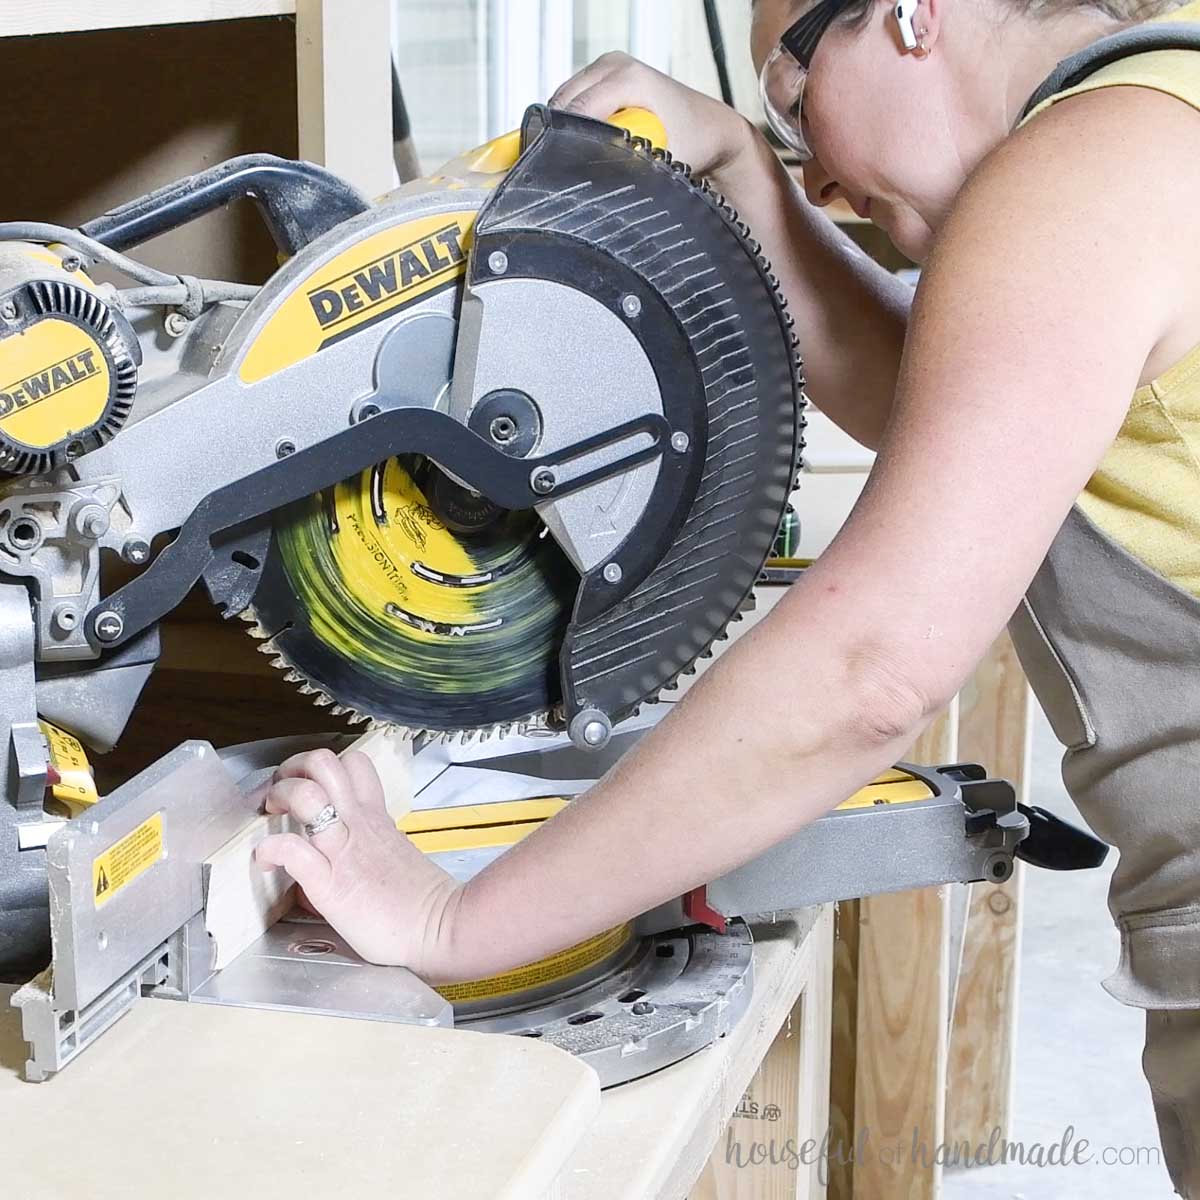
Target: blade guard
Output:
[{"x": 716, "y": 332}]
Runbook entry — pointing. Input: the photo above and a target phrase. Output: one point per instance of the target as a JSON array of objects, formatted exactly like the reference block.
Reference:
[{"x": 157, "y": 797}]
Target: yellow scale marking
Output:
[
  {"x": 76, "y": 786},
  {"x": 478, "y": 826}
]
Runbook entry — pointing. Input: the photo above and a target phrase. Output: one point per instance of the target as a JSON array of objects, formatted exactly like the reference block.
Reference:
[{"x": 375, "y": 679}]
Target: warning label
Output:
[
  {"x": 123, "y": 862},
  {"x": 546, "y": 970}
]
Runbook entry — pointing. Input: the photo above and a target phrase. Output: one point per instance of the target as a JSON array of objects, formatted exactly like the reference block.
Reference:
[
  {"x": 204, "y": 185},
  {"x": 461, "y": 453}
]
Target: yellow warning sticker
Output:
[
  {"x": 123, "y": 862},
  {"x": 68, "y": 757},
  {"x": 554, "y": 969}
]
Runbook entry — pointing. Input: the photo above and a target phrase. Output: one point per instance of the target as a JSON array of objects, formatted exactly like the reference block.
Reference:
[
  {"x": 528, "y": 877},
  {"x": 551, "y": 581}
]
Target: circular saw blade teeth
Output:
[{"x": 354, "y": 717}]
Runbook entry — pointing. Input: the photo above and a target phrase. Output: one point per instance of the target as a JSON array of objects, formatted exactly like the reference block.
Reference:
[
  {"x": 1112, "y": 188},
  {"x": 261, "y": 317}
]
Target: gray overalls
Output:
[{"x": 1113, "y": 652}]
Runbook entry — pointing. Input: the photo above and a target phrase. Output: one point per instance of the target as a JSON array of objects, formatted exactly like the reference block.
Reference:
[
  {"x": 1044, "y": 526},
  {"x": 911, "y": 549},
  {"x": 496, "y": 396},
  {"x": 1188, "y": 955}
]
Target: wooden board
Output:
[
  {"x": 194, "y": 1101},
  {"x": 343, "y": 71},
  {"x": 844, "y": 1052},
  {"x": 391, "y": 753},
  {"x": 63, "y": 16},
  {"x": 241, "y": 900},
  {"x": 994, "y": 729}
]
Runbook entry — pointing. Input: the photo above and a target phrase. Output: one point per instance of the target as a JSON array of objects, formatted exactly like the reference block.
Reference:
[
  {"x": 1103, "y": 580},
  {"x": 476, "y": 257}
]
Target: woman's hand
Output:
[
  {"x": 361, "y": 874},
  {"x": 704, "y": 133}
]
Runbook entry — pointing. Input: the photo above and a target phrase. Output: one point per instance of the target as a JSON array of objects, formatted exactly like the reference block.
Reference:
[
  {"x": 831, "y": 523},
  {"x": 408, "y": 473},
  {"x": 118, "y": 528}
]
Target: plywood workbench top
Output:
[{"x": 194, "y": 1101}]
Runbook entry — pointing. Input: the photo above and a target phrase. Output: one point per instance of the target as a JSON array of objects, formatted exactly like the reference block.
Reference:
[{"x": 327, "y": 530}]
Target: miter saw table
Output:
[{"x": 128, "y": 893}]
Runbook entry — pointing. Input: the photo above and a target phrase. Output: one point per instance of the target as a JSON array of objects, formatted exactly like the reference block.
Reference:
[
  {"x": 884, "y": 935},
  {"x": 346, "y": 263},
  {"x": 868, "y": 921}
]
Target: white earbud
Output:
[{"x": 905, "y": 10}]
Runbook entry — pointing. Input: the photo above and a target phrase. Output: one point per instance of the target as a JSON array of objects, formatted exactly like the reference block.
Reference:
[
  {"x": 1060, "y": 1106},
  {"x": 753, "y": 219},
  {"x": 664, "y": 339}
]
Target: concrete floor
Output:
[{"x": 1078, "y": 1050}]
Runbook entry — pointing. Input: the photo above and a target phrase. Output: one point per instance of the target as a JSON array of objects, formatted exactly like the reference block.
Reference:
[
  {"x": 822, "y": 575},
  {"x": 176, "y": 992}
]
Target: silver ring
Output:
[{"x": 322, "y": 821}]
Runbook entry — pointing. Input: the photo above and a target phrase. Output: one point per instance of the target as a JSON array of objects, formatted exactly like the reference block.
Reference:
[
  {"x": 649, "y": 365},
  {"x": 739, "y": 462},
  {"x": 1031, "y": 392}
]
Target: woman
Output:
[{"x": 1050, "y": 355}]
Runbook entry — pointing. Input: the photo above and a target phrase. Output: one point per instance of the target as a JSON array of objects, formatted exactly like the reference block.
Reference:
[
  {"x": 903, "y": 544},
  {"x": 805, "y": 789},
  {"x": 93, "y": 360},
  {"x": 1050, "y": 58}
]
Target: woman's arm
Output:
[
  {"x": 850, "y": 313},
  {"x": 1032, "y": 325},
  {"x": 1030, "y": 331}
]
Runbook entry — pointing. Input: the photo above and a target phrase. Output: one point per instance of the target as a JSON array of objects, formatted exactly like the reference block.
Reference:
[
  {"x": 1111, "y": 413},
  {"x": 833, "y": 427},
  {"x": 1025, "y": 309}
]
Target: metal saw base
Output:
[{"x": 629, "y": 1006}]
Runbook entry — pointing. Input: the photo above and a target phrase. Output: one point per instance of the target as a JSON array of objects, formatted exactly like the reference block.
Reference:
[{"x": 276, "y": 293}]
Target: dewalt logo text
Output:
[
  {"x": 372, "y": 286},
  {"x": 42, "y": 385}
]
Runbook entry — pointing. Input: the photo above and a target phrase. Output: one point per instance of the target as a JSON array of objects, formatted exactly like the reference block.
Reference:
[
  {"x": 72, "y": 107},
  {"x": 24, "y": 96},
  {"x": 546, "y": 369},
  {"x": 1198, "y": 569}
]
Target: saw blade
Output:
[
  {"x": 405, "y": 599},
  {"x": 392, "y": 604}
]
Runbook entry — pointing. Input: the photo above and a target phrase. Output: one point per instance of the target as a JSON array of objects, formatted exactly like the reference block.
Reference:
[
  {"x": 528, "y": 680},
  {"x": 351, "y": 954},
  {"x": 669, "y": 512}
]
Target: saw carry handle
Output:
[{"x": 298, "y": 202}]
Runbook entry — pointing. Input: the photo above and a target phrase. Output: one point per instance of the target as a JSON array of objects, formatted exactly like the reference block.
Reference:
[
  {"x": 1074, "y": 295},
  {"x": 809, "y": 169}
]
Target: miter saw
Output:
[{"x": 499, "y": 456}]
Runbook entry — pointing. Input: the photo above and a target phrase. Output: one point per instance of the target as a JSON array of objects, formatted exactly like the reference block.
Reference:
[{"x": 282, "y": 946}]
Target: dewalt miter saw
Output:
[{"x": 501, "y": 454}]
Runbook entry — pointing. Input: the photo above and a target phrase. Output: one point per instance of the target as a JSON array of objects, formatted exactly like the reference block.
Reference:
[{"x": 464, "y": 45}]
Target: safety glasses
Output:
[{"x": 781, "y": 82}]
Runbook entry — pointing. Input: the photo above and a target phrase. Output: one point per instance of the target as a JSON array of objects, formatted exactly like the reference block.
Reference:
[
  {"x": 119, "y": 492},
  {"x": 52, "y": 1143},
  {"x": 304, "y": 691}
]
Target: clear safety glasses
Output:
[{"x": 781, "y": 82}]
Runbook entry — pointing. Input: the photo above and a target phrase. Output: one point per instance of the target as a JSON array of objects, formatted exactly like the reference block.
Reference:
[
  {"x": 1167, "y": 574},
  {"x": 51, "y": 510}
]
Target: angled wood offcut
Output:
[{"x": 242, "y": 901}]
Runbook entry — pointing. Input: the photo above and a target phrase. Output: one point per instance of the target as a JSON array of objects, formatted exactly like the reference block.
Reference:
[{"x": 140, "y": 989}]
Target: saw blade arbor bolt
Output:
[
  {"x": 497, "y": 262},
  {"x": 680, "y": 442},
  {"x": 503, "y": 430},
  {"x": 631, "y": 305},
  {"x": 612, "y": 573},
  {"x": 136, "y": 551},
  {"x": 109, "y": 626},
  {"x": 543, "y": 481}
]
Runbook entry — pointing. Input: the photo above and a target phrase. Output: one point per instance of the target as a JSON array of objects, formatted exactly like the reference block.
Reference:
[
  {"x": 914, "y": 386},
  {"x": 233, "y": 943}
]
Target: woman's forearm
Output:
[
  {"x": 763, "y": 743},
  {"x": 850, "y": 313}
]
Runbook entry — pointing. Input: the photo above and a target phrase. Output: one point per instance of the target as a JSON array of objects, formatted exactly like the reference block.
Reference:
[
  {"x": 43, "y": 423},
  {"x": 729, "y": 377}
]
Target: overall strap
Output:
[{"x": 1141, "y": 39}]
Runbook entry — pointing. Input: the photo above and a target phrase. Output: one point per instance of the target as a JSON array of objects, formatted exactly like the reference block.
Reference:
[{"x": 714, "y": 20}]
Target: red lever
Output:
[{"x": 698, "y": 911}]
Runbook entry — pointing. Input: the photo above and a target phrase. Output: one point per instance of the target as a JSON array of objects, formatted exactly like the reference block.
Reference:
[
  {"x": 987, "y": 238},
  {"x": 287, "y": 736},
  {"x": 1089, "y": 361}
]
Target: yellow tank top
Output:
[{"x": 1145, "y": 494}]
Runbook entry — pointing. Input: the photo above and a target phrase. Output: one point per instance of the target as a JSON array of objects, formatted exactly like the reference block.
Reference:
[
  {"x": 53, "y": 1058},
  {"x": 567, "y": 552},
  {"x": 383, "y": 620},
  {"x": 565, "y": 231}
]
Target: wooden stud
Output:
[
  {"x": 344, "y": 96},
  {"x": 844, "y": 1052},
  {"x": 902, "y": 1010},
  {"x": 995, "y": 729}
]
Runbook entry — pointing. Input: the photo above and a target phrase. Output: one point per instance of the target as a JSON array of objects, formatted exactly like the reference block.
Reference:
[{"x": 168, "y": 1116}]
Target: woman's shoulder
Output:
[
  {"x": 1101, "y": 191},
  {"x": 1106, "y": 148}
]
